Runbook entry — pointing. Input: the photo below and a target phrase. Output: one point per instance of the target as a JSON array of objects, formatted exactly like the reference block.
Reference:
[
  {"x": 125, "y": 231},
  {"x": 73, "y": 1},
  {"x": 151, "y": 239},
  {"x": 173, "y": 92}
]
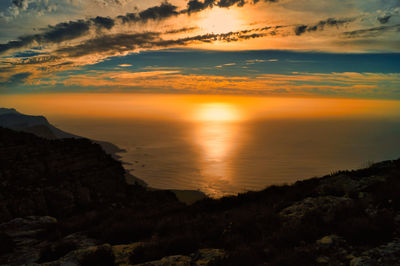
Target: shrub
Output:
[
  {"x": 51, "y": 253},
  {"x": 101, "y": 257},
  {"x": 7, "y": 245}
]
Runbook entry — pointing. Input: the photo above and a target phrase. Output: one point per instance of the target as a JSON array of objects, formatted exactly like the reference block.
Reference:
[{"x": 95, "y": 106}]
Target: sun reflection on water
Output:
[{"x": 215, "y": 133}]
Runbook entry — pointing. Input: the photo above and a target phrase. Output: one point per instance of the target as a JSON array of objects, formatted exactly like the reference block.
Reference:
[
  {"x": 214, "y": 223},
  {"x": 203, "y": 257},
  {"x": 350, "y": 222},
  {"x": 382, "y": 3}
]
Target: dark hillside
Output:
[{"x": 350, "y": 217}]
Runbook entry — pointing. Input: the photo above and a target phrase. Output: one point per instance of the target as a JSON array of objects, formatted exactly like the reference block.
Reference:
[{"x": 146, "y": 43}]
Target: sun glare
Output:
[
  {"x": 217, "y": 112},
  {"x": 220, "y": 20}
]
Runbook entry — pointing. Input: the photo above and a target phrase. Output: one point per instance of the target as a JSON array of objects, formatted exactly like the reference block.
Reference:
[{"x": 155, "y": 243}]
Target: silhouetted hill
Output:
[
  {"x": 350, "y": 217},
  {"x": 38, "y": 125},
  {"x": 48, "y": 177}
]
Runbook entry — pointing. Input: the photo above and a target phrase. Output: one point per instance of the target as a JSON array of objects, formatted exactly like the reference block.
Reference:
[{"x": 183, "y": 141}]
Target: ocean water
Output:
[
  {"x": 220, "y": 147},
  {"x": 222, "y": 159}
]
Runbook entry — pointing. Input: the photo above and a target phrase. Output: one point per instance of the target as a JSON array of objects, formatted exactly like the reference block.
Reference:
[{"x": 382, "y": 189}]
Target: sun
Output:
[
  {"x": 220, "y": 20},
  {"x": 221, "y": 112}
]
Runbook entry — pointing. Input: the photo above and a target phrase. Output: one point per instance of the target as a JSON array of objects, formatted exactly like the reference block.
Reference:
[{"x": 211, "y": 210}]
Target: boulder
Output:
[
  {"x": 388, "y": 254},
  {"x": 123, "y": 252},
  {"x": 95, "y": 255},
  {"x": 28, "y": 235},
  {"x": 325, "y": 205},
  {"x": 202, "y": 257}
]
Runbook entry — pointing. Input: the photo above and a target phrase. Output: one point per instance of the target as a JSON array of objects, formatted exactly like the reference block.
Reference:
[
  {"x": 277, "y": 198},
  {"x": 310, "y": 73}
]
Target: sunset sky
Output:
[{"x": 335, "y": 48}]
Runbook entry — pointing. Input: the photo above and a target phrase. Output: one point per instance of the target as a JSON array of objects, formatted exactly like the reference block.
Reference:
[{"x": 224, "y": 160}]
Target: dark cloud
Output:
[
  {"x": 63, "y": 32},
  {"x": 186, "y": 29},
  {"x": 228, "y": 3},
  {"x": 103, "y": 22},
  {"x": 384, "y": 20},
  {"x": 196, "y": 5},
  {"x": 272, "y": 1},
  {"x": 53, "y": 34},
  {"x": 120, "y": 43},
  {"x": 16, "y": 79},
  {"x": 163, "y": 11},
  {"x": 19, "y": 3},
  {"x": 299, "y": 30},
  {"x": 111, "y": 43},
  {"x": 75, "y": 29},
  {"x": 371, "y": 32}
]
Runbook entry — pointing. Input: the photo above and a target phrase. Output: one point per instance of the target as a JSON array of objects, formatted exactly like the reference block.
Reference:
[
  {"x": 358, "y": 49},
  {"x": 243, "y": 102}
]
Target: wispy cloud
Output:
[{"x": 348, "y": 84}]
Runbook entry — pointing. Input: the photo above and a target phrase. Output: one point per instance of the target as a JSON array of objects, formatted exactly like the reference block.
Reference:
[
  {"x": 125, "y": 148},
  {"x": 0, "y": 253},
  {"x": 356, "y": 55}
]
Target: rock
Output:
[
  {"x": 202, "y": 257},
  {"x": 29, "y": 236},
  {"x": 357, "y": 261},
  {"x": 322, "y": 260},
  {"x": 343, "y": 184},
  {"x": 123, "y": 252},
  {"x": 327, "y": 240},
  {"x": 325, "y": 205},
  {"x": 388, "y": 254},
  {"x": 96, "y": 255},
  {"x": 178, "y": 260},
  {"x": 208, "y": 256}
]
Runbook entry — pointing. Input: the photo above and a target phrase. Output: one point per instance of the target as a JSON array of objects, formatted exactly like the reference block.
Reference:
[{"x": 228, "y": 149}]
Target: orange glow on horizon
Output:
[
  {"x": 195, "y": 107},
  {"x": 217, "y": 112}
]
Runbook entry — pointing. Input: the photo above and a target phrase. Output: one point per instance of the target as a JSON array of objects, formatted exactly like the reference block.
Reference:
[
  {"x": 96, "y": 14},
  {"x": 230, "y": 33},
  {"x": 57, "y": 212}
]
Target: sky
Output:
[{"x": 306, "y": 48}]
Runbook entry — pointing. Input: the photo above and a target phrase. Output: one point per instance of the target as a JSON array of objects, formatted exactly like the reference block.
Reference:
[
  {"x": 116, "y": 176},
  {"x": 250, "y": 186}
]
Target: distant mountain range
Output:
[{"x": 40, "y": 126}]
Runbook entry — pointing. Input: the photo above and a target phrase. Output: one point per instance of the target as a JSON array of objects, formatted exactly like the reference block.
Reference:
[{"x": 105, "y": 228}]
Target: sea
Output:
[{"x": 224, "y": 145}]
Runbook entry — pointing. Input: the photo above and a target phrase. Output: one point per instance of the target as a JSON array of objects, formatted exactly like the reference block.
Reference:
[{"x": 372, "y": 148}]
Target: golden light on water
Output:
[{"x": 215, "y": 133}]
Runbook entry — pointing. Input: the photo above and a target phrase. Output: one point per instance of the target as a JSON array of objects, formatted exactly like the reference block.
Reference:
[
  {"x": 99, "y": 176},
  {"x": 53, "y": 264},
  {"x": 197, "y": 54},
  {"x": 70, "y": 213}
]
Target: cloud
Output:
[
  {"x": 197, "y": 6},
  {"x": 53, "y": 34},
  {"x": 371, "y": 32},
  {"x": 15, "y": 79},
  {"x": 347, "y": 84},
  {"x": 38, "y": 7},
  {"x": 384, "y": 20},
  {"x": 21, "y": 4},
  {"x": 111, "y": 44},
  {"x": 165, "y": 10},
  {"x": 103, "y": 22},
  {"x": 181, "y": 30},
  {"x": 125, "y": 65},
  {"x": 120, "y": 43},
  {"x": 74, "y": 29},
  {"x": 331, "y": 22}
]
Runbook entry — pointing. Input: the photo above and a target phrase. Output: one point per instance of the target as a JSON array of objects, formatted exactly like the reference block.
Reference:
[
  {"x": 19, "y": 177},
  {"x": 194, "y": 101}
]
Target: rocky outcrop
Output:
[
  {"x": 123, "y": 252},
  {"x": 325, "y": 204},
  {"x": 94, "y": 255},
  {"x": 387, "y": 254},
  {"x": 27, "y": 236},
  {"x": 202, "y": 257},
  {"x": 35, "y": 239}
]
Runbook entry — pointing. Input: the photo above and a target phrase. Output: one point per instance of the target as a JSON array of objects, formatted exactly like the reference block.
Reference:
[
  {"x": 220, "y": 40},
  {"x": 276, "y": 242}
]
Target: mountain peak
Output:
[{"x": 4, "y": 111}]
